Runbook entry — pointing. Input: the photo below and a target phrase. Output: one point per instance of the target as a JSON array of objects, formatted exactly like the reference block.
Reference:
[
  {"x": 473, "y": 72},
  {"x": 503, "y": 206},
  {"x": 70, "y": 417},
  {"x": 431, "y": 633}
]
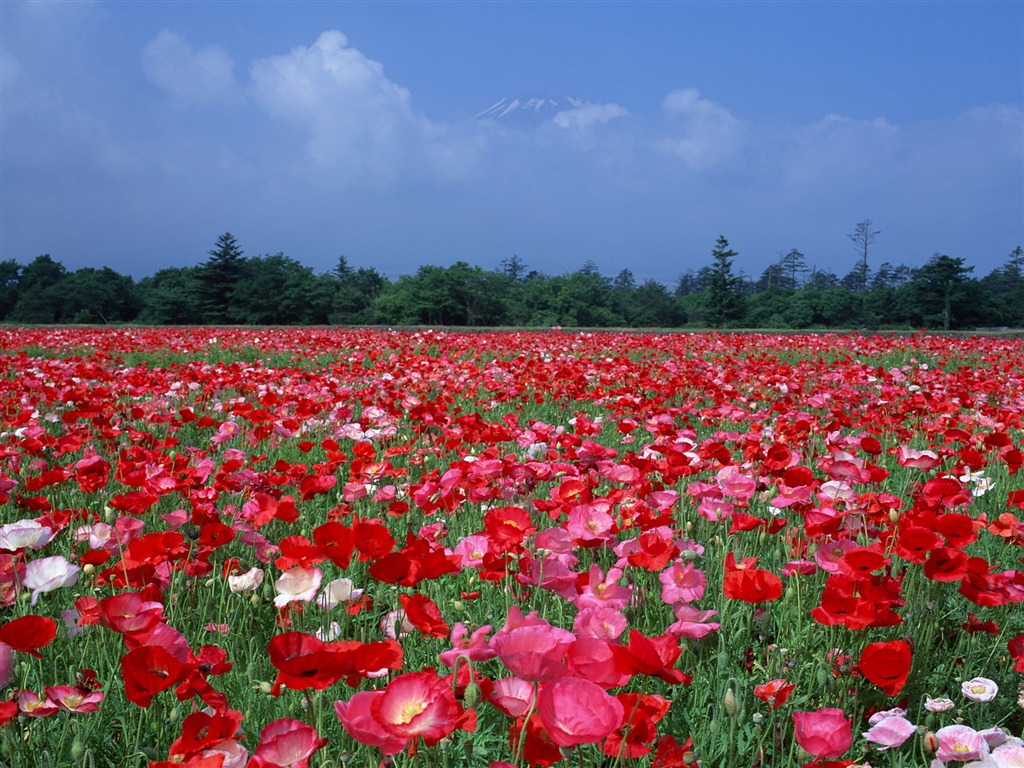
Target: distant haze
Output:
[{"x": 400, "y": 134}]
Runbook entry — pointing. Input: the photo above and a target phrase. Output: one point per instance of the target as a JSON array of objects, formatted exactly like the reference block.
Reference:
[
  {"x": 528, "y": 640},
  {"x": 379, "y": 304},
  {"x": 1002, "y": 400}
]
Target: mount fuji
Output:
[{"x": 529, "y": 111}]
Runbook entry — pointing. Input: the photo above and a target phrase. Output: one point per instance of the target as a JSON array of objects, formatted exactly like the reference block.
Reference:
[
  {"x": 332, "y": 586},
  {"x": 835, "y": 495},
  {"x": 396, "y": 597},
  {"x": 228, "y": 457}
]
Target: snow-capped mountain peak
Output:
[{"x": 529, "y": 110}]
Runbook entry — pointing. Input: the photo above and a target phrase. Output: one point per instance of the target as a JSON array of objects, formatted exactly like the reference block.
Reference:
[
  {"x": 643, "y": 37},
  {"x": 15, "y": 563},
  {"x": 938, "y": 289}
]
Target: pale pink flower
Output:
[
  {"x": 48, "y": 574},
  {"x": 71, "y": 698},
  {"x": 336, "y": 592},
  {"x": 960, "y": 742},
  {"x": 472, "y": 550},
  {"x": 828, "y": 555},
  {"x": 297, "y": 584},
  {"x": 589, "y": 524},
  {"x": 6, "y": 665},
  {"x": 940, "y": 704},
  {"x": 979, "y": 689},
  {"x": 474, "y": 647},
  {"x": 24, "y": 534},
  {"x": 235, "y": 755},
  {"x": 910, "y": 457},
  {"x": 890, "y": 732},
  {"x": 395, "y": 624},
  {"x": 286, "y": 743},
  {"x": 604, "y": 589},
  {"x": 1006, "y": 756},
  {"x": 246, "y": 582},
  {"x": 31, "y": 704}
]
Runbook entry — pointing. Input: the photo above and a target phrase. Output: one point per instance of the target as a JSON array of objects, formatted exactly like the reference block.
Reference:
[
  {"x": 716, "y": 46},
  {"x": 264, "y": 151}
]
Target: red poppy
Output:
[
  {"x": 749, "y": 584},
  {"x": 886, "y": 664},
  {"x": 774, "y": 693},
  {"x": 148, "y": 670},
  {"x": 641, "y": 713},
  {"x": 303, "y": 661},
  {"x": 424, "y": 614},
  {"x": 946, "y": 564},
  {"x": 29, "y": 633}
]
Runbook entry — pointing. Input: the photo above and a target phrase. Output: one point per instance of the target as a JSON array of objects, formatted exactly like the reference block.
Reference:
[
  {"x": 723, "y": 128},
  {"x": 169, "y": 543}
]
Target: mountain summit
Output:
[{"x": 529, "y": 110}]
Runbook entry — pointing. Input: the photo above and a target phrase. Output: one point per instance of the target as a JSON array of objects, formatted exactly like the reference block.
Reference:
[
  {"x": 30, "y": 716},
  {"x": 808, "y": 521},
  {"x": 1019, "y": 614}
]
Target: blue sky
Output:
[{"x": 133, "y": 134}]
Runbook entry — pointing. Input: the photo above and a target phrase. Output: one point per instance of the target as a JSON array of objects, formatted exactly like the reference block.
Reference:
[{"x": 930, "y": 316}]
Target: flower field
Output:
[{"x": 226, "y": 548}]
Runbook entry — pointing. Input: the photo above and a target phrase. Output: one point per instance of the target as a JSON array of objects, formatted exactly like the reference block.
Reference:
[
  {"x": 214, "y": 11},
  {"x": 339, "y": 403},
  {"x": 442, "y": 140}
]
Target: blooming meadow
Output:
[{"x": 257, "y": 548}]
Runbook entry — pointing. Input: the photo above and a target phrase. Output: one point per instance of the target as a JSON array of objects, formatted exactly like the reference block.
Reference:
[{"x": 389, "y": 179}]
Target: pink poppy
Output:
[
  {"x": 71, "y": 698},
  {"x": 356, "y": 715},
  {"x": 48, "y": 574},
  {"x": 823, "y": 733},
  {"x": 533, "y": 651},
  {"x": 682, "y": 582},
  {"x": 890, "y": 732},
  {"x": 297, "y": 584},
  {"x": 692, "y": 622},
  {"x": 575, "y": 711},
  {"x": 513, "y": 696},
  {"x": 601, "y": 622},
  {"x": 286, "y": 743},
  {"x": 417, "y": 704},
  {"x": 960, "y": 742},
  {"x": 474, "y": 647}
]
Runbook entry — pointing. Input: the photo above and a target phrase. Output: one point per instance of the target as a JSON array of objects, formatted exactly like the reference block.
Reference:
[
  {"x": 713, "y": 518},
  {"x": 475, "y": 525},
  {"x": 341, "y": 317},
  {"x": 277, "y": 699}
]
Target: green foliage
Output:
[{"x": 724, "y": 300}]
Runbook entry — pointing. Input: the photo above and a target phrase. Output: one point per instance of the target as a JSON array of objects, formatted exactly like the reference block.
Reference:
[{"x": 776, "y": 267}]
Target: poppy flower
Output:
[
  {"x": 749, "y": 584},
  {"x": 823, "y": 733},
  {"x": 286, "y": 743},
  {"x": 417, "y": 704},
  {"x": 28, "y": 634},
  {"x": 148, "y": 670},
  {"x": 576, "y": 711},
  {"x": 534, "y": 650},
  {"x": 357, "y": 717},
  {"x": 886, "y": 664},
  {"x": 424, "y": 614},
  {"x": 48, "y": 574},
  {"x": 774, "y": 693}
]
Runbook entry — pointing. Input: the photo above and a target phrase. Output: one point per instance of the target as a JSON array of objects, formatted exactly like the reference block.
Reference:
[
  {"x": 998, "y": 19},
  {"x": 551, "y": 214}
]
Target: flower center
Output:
[{"x": 410, "y": 710}]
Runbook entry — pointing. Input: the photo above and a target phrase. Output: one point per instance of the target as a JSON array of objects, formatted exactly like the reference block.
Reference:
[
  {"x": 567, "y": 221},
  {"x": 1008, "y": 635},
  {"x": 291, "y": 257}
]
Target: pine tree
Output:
[
  {"x": 725, "y": 302},
  {"x": 218, "y": 276}
]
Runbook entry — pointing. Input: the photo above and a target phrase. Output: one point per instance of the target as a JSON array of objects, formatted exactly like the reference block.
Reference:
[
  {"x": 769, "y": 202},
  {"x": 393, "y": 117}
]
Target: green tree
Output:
[
  {"x": 941, "y": 291},
  {"x": 793, "y": 264},
  {"x": 171, "y": 297},
  {"x": 862, "y": 239},
  {"x": 40, "y": 298},
  {"x": 278, "y": 290},
  {"x": 724, "y": 297},
  {"x": 354, "y": 296},
  {"x": 219, "y": 274},
  {"x": 99, "y": 296},
  {"x": 10, "y": 276}
]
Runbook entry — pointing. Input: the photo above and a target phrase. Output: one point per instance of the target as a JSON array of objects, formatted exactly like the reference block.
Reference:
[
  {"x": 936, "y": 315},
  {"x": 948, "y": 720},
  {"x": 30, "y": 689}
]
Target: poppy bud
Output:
[
  {"x": 77, "y": 749},
  {"x": 471, "y": 696},
  {"x": 931, "y": 742},
  {"x": 730, "y": 702}
]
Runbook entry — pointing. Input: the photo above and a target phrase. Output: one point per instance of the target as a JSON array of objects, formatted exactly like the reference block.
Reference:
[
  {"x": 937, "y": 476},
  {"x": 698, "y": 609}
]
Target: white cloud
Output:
[
  {"x": 201, "y": 76},
  {"x": 586, "y": 115},
  {"x": 357, "y": 119},
  {"x": 706, "y": 134}
]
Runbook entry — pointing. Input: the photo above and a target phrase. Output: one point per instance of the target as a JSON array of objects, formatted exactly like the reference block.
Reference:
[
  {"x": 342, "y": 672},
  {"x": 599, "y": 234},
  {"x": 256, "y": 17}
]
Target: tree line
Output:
[{"x": 230, "y": 288}]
